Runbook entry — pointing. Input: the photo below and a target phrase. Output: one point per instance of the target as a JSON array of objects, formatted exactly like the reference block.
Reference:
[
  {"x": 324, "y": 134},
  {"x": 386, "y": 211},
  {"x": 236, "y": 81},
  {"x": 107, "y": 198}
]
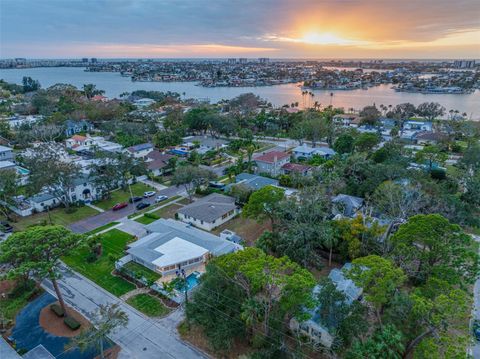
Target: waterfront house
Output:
[
  {"x": 430, "y": 138},
  {"x": 272, "y": 162},
  {"x": 209, "y": 212},
  {"x": 79, "y": 141},
  {"x": 321, "y": 329},
  {"x": 418, "y": 126},
  {"x": 173, "y": 245}
]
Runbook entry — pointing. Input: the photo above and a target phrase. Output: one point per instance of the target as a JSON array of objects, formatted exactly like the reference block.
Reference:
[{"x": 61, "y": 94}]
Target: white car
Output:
[
  {"x": 160, "y": 198},
  {"x": 149, "y": 194}
]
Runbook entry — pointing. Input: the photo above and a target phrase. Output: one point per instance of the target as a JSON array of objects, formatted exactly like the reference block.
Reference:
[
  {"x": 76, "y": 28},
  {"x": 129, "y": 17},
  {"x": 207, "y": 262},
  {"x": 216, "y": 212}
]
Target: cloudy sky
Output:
[{"x": 247, "y": 28}]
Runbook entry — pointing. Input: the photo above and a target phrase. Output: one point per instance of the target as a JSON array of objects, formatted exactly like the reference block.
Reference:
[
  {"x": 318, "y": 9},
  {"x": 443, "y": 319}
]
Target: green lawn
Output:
[
  {"x": 148, "y": 305},
  {"x": 123, "y": 196},
  {"x": 171, "y": 199},
  {"x": 146, "y": 220},
  {"x": 113, "y": 244},
  {"x": 10, "y": 306},
  {"x": 168, "y": 211},
  {"x": 102, "y": 228},
  {"x": 142, "y": 271},
  {"x": 57, "y": 216}
]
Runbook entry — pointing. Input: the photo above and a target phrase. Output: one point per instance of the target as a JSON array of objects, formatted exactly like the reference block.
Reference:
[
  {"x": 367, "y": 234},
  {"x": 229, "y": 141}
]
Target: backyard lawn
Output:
[
  {"x": 246, "y": 228},
  {"x": 123, "y": 196},
  {"x": 102, "y": 228},
  {"x": 141, "y": 271},
  {"x": 99, "y": 271},
  {"x": 148, "y": 305},
  {"x": 57, "y": 216}
]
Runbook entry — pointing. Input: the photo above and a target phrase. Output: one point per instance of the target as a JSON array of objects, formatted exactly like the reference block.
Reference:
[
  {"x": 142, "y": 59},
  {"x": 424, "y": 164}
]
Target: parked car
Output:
[
  {"x": 5, "y": 227},
  {"x": 134, "y": 199},
  {"x": 161, "y": 198},
  {"x": 149, "y": 194},
  {"x": 476, "y": 329},
  {"x": 119, "y": 206},
  {"x": 143, "y": 205}
]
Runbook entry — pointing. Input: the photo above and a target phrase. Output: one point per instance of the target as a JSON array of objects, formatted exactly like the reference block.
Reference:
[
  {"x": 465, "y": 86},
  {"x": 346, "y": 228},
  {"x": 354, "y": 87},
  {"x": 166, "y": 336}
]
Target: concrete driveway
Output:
[
  {"x": 143, "y": 338},
  {"x": 101, "y": 219}
]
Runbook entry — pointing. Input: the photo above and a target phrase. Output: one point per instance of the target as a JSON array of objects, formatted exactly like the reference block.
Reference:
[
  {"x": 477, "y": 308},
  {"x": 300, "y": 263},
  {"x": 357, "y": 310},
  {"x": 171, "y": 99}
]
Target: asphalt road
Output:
[
  {"x": 142, "y": 338},
  {"x": 101, "y": 219}
]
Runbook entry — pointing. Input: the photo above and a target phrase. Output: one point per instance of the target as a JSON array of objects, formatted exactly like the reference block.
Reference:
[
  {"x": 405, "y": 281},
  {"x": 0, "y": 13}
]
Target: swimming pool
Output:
[{"x": 192, "y": 282}]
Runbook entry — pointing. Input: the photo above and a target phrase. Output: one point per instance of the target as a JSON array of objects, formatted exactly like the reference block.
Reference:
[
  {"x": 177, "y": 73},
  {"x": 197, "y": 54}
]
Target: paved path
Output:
[
  {"x": 95, "y": 207},
  {"x": 157, "y": 186},
  {"x": 101, "y": 219},
  {"x": 143, "y": 338}
]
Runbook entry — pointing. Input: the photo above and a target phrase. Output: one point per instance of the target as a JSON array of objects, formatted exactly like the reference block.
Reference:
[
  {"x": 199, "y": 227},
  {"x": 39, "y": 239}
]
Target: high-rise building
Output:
[
  {"x": 232, "y": 61},
  {"x": 242, "y": 60},
  {"x": 464, "y": 64},
  {"x": 85, "y": 60},
  {"x": 93, "y": 60},
  {"x": 264, "y": 60}
]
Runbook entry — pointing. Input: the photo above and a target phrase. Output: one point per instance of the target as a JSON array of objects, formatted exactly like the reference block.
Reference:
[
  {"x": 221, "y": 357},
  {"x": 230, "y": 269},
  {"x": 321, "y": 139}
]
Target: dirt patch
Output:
[
  {"x": 248, "y": 229},
  {"x": 55, "y": 325},
  {"x": 6, "y": 286}
]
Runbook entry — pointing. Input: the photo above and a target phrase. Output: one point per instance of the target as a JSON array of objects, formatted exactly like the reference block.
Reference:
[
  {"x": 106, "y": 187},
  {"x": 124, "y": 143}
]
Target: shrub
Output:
[
  {"x": 151, "y": 215},
  {"x": 91, "y": 257},
  {"x": 71, "y": 323},
  {"x": 57, "y": 310}
]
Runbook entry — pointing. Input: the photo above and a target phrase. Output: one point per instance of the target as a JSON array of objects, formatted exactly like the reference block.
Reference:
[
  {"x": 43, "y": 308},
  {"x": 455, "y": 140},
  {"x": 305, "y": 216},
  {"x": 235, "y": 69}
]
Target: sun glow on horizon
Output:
[{"x": 315, "y": 38}]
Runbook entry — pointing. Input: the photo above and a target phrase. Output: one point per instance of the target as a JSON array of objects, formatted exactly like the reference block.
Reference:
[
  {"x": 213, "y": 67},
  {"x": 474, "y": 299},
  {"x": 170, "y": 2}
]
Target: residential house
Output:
[
  {"x": 320, "y": 329},
  {"x": 157, "y": 162},
  {"x": 79, "y": 141},
  {"x": 173, "y": 245},
  {"x": 346, "y": 205},
  {"x": 308, "y": 152},
  {"x": 140, "y": 151},
  {"x": 418, "y": 125},
  {"x": 203, "y": 144},
  {"x": 272, "y": 162},
  {"x": 254, "y": 182},
  {"x": 430, "y": 138},
  {"x": 73, "y": 127},
  {"x": 296, "y": 169},
  {"x": 347, "y": 120},
  {"x": 22, "y": 172},
  {"x": 144, "y": 102},
  {"x": 209, "y": 212},
  {"x": 6, "y": 153}
]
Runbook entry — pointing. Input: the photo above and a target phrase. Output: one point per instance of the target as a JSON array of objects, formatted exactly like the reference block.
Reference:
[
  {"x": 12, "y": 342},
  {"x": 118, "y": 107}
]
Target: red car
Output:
[{"x": 120, "y": 206}]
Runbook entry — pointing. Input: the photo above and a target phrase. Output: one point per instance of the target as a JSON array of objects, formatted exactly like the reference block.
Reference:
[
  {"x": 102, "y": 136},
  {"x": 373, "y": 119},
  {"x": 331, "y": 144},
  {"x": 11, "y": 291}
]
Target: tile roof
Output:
[{"x": 271, "y": 157}]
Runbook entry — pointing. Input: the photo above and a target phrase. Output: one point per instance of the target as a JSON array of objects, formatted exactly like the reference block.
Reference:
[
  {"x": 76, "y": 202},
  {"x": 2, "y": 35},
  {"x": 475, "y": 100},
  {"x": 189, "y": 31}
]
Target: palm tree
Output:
[
  {"x": 105, "y": 321},
  {"x": 331, "y": 98},
  {"x": 90, "y": 90},
  {"x": 330, "y": 241},
  {"x": 250, "y": 150}
]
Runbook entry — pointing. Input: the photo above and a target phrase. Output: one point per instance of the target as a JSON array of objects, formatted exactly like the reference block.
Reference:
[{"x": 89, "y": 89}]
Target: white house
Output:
[
  {"x": 172, "y": 245},
  {"x": 272, "y": 162},
  {"x": 140, "y": 151},
  {"x": 209, "y": 212},
  {"x": 307, "y": 152},
  {"x": 144, "y": 102},
  {"x": 6, "y": 153}
]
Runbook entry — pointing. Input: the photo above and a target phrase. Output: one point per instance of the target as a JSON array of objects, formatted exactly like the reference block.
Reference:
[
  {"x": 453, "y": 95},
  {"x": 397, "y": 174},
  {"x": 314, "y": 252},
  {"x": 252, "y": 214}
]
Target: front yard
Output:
[
  {"x": 57, "y": 216},
  {"x": 121, "y": 195},
  {"x": 148, "y": 305},
  {"x": 100, "y": 271},
  {"x": 246, "y": 228}
]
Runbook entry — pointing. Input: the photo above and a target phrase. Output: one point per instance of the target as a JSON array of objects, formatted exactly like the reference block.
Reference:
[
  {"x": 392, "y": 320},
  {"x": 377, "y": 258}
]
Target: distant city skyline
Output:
[{"x": 421, "y": 29}]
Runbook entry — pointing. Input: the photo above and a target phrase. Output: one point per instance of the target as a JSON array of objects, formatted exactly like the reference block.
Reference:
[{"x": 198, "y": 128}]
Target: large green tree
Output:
[
  {"x": 429, "y": 245},
  {"x": 37, "y": 251},
  {"x": 191, "y": 178},
  {"x": 261, "y": 203}
]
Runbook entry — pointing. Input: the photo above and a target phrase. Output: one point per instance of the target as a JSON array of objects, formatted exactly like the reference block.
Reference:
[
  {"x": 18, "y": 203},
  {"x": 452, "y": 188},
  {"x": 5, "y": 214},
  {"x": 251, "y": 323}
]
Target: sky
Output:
[{"x": 392, "y": 29}]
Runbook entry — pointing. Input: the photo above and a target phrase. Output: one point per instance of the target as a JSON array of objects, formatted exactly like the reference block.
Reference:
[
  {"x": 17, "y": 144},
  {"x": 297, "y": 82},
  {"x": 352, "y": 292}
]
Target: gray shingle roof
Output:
[
  {"x": 209, "y": 208},
  {"x": 164, "y": 230}
]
